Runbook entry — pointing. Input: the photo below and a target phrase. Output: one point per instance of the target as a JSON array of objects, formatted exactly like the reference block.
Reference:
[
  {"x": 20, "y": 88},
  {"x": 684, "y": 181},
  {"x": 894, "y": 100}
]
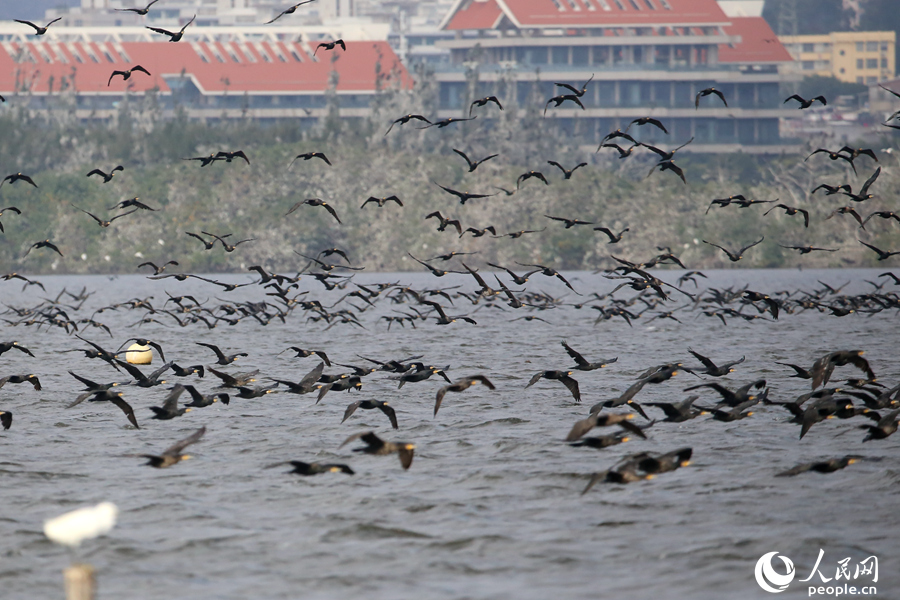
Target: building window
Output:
[
  {"x": 580, "y": 55},
  {"x": 650, "y": 4},
  {"x": 842, "y": 53},
  {"x": 635, "y": 4},
  {"x": 809, "y": 65},
  {"x": 843, "y": 70},
  {"x": 884, "y": 63},
  {"x": 859, "y": 63},
  {"x": 860, "y": 46},
  {"x": 560, "y": 55},
  {"x": 859, "y": 80},
  {"x": 809, "y": 47},
  {"x": 884, "y": 47},
  {"x": 601, "y": 55},
  {"x": 871, "y": 63},
  {"x": 871, "y": 46},
  {"x": 871, "y": 79}
]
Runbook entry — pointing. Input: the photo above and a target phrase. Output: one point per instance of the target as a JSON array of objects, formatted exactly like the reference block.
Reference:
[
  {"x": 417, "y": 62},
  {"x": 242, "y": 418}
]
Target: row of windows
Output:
[
  {"x": 620, "y": 94},
  {"x": 596, "y": 55},
  {"x": 564, "y": 5},
  {"x": 860, "y": 47},
  {"x": 871, "y": 63}
]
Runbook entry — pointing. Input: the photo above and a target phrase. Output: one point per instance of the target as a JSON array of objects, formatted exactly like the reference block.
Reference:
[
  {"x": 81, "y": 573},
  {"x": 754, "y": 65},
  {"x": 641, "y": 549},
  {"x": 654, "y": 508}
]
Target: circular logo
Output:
[{"x": 766, "y": 574}]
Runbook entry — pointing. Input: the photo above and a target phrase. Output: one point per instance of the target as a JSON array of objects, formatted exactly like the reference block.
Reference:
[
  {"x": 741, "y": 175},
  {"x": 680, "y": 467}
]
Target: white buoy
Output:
[{"x": 139, "y": 355}]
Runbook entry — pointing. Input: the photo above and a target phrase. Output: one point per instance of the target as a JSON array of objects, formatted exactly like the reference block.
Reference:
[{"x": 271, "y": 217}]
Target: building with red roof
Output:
[
  {"x": 645, "y": 58},
  {"x": 253, "y": 71}
]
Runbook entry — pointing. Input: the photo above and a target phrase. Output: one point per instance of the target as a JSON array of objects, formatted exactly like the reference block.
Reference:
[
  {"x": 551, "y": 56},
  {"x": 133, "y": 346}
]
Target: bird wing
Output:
[
  {"x": 176, "y": 448},
  {"x": 745, "y": 248},
  {"x": 331, "y": 210},
  {"x": 534, "y": 379},
  {"x": 36, "y": 28},
  {"x": 720, "y": 95},
  {"x": 215, "y": 349},
  {"x": 869, "y": 182},
  {"x": 121, "y": 215},
  {"x": 391, "y": 414},
  {"x": 162, "y": 31},
  {"x": 125, "y": 408},
  {"x": 568, "y": 87},
  {"x": 466, "y": 158},
  {"x": 572, "y": 385},
  {"x": 313, "y": 376},
  {"x": 578, "y": 358},
  {"x": 350, "y": 410},
  {"x": 170, "y": 404},
  {"x": 706, "y": 362}
]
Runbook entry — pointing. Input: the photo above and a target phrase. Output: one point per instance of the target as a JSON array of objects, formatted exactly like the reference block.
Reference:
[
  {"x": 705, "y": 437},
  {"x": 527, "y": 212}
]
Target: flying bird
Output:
[
  {"x": 331, "y": 45},
  {"x": 559, "y": 100},
  {"x": 882, "y": 254},
  {"x": 460, "y": 386},
  {"x": 648, "y": 121},
  {"x": 444, "y": 122},
  {"x": 230, "y": 156},
  {"x": 529, "y": 175},
  {"x": 172, "y": 455},
  {"x": 290, "y": 10},
  {"x": 406, "y": 119},
  {"x": 474, "y": 165},
  {"x": 804, "y": 103},
  {"x": 483, "y": 101},
  {"x": 463, "y": 196},
  {"x": 38, "y": 30},
  {"x": 101, "y": 222},
  {"x": 126, "y": 75},
  {"x": 567, "y": 173},
  {"x": 613, "y": 238},
  {"x": 315, "y": 202},
  {"x": 43, "y": 244},
  {"x": 709, "y": 92},
  {"x": 176, "y": 36},
  {"x": 791, "y": 211},
  {"x": 107, "y": 177},
  {"x": 570, "y": 222},
  {"x": 17, "y": 177},
  {"x": 140, "y": 11},
  {"x": 311, "y": 155},
  {"x": 3, "y": 210},
  {"x": 382, "y": 201},
  {"x": 578, "y": 92},
  {"x": 738, "y": 255}
]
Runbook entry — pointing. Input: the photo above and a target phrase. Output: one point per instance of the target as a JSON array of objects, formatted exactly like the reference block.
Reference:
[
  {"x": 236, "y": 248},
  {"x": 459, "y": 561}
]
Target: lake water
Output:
[{"x": 491, "y": 507}]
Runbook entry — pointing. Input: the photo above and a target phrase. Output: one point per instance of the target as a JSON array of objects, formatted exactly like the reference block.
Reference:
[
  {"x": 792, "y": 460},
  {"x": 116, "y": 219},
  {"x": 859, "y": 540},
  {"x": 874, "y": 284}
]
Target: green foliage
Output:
[
  {"x": 809, "y": 16},
  {"x": 830, "y": 87}
]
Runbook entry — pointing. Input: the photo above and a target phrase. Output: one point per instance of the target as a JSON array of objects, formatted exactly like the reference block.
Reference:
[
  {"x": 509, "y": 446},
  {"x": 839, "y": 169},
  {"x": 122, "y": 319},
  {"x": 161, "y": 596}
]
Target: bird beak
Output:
[
  {"x": 187, "y": 410},
  {"x": 851, "y": 461},
  {"x": 625, "y": 439},
  {"x": 186, "y": 457},
  {"x": 685, "y": 463}
]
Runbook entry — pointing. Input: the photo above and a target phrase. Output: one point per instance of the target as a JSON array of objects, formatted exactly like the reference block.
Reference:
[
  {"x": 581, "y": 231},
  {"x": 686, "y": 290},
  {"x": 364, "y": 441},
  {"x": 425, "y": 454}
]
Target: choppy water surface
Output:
[{"x": 491, "y": 507}]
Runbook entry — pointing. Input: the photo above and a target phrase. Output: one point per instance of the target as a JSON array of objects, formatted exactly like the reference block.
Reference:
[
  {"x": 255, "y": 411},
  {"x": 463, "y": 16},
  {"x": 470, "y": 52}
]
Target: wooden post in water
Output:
[{"x": 80, "y": 582}]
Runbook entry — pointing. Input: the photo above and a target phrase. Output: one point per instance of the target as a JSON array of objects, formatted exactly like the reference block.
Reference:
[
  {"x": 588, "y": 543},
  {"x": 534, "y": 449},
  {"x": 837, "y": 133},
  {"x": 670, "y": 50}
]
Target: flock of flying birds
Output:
[{"x": 858, "y": 398}]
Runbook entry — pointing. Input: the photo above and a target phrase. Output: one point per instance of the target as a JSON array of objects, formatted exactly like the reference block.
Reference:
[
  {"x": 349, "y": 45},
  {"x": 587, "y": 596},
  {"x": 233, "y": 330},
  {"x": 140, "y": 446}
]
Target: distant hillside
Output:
[{"x": 251, "y": 201}]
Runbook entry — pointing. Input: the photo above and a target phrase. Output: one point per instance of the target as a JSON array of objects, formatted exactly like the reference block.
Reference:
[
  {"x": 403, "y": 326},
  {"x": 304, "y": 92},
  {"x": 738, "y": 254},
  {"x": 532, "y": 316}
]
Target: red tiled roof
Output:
[
  {"x": 475, "y": 14},
  {"x": 299, "y": 73},
  {"x": 759, "y": 44}
]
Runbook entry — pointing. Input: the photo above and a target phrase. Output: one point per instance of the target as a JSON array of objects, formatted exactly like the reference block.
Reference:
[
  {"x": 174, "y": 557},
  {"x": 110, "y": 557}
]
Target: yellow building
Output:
[{"x": 851, "y": 56}]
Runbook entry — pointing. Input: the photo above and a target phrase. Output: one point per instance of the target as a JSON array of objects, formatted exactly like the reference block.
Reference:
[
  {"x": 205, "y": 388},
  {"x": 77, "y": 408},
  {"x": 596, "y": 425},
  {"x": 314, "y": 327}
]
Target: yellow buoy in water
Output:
[{"x": 139, "y": 355}]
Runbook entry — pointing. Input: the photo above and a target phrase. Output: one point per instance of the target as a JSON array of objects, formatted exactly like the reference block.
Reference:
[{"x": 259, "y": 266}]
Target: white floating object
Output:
[
  {"x": 74, "y": 527},
  {"x": 139, "y": 355}
]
